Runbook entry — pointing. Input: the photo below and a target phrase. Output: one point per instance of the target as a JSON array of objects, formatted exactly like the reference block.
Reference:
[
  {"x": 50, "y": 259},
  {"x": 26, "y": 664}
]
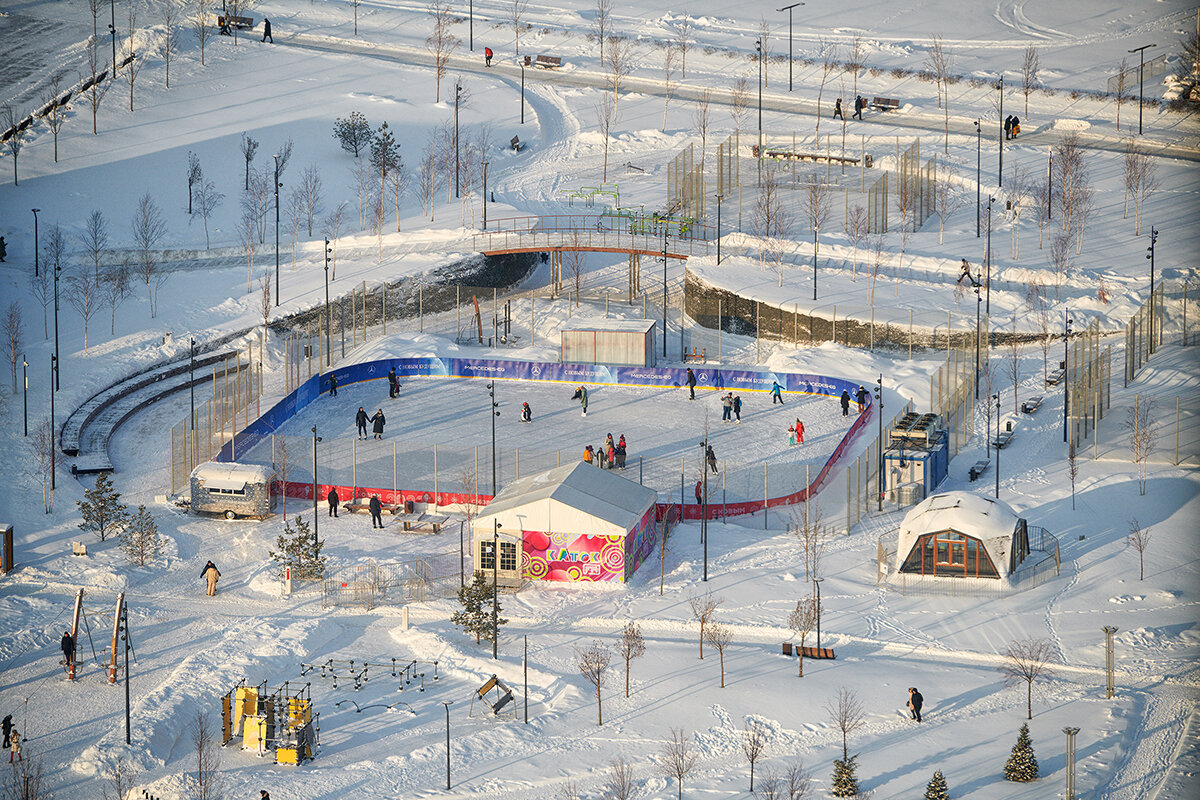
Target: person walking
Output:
[
  {"x": 583, "y": 398},
  {"x": 332, "y": 498},
  {"x": 377, "y": 422},
  {"x": 14, "y": 746},
  {"x": 861, "y": 398},
  {"x": 68, "y": 649},
  {"x": 691, "y": 384},
  {"x": 7, "y": 727},
  {"x": 845, "y": 402},
  {"x": 776, "y": 393},
  {"x": 1015, "y": 130},
  {"x": 267, "y": 31},
  {"x": 737, "y": 408},
  {"x": 915, "y": 701},
  {"x": 859, "y": 105},
  {"x": 360, "y": 420},
  {"x": 711, "y": 457},
  {"x": 376, "y": 512},
  {"x": 837, "y": 110},
  {"x": 262, "y": 795},
  {"x": 799, "y": 432},
  {"x": 211, "y": 574},
  {"x": 526, "y": 413},
  {"x": 727, "y": 408},
  {"x": 332, "y": 385},
  {"x": 1008, "y": 127},
  {"x": 3, "y": 250},
  {"x": 966, "y": 273},
  {"x": 487, "y": 56},
  {"x": 392, "y": 385}
]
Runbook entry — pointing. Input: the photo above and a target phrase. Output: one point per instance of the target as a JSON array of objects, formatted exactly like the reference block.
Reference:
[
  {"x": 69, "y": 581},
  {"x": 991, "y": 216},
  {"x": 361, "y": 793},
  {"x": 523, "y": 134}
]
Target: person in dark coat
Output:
[
  {"x": 691, "y": 383},
  {"x": 3, "y": 250},
  {"x": 267, "y": 30},
  {"x": 776, "y": 393},
  {"x": 332, "y": 385},
  {"x": 332, "y": 498},
  {"x": 621, "y": 453},
  {"x": 861, "y": 398},
  {"x": 262, "y": 795},
  {"x": 526, "y": 413},
  {"x": 7, "y": 727},
  {"x": 68, "y": 648},
  {"x": 376, "y": 512},
  {"x": 711, "y": 457},
  {"x": 1015, "y": 129},
  {"x": 699, "y": 492},
  {"x": 966, "y": 272},
  {"x": 360, "y": 421},
  {"x": 859, "y": 105},
  {"x": 737, "y": 408},
  {"x": 1008, "y": 127},
  {"x": 377, "y": 422},
  {"x": 915, "y": 701},
  {"x": 392, "y": 385},
  {"x": 211, "y": 574},
  {"x": 845, "y": 402},
  {"x": 487, "y": 56},
  {"x": 837, "y": 110},
  {"x": 223, "y": 26}
]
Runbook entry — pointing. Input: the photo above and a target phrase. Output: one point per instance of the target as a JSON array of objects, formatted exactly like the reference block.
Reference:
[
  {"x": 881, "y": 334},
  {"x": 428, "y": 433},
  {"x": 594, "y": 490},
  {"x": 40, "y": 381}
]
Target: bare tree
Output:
[
  {"x": 95, "y": 6},
  {"x": 1143, "y": 434},
  {"x": 670, "y": 54},
  {"x": 1122, "y": 89},
  {"x": 847, "y": 715},
  {"x": 16, "y": 139},
  {"x": 310, "y": 194},
  {"x": 678, "y": 759},
  {"x": 207, "y": 782},
  {"x": 818, "y": 207},
  {"x": 631, "y": 645},
  {"x": 618, "y": 65},
  {"x": 754, "y": 740},
  {"x": 24, "y": 780},
  {"x": 194, "y": 176},
  {"x": 14, "y": 337},
  {"x": 769, "y": 218},
  {"x": 55, "y": 115},
  {"x": 427, "y": 179},
  {"x": 1029, "y": 73},
  {"x": 739, "y": 102},
  {"x": 944, "y": 199},
  {"x": 294, "y": 219},
  {"x": 703, "y": 608},
  {"x": 249, "y": 148},
  {"x": 41, "y": 447},
  {"x": 606, "y": 120},
  {"x": 260, "y": 199},
  {"x": 1040, "y": 309},
  {"x": 601, "y": 24},
  {"x": 1139, "y": 540},
  {"x": 683, "y": 40},
  {"x": 856, "y": 225},
  {"x": 1039, "y": 194},
  {"x": 54, "y": 259},
  {"x": 1145, "y": 182},
  {"x": 855, "y": 60},
  {"x": 1013, "y": 363},
  {"x": 201, "y": 26},
  {"x": 719, "y": 636},
  {"x": 1072, "y": 470},
  {"x": 1190, "y": 47},
  {"x": 264, "y": 301},
  {"x": 939, "y": 61},
  {"x": 121, "y": 778},
  {"x": 1060, "y": 260},
  {"x": 148, "y": 228},
  {"x": 40, "y": 287},
  {"x": 1016, "y": 189},
  {"x": 798, "y": 781},
  {"x": 1027, "y": 661},
  {"x": 355, "y": 4},
  {"x": 877, "y": 245},
  {"x": 99, "y": 87},
  {"x": 808, "y": 526},
  {"x": 801, "y": 622},
  {"x": 516, "y": 16},
  {"x": 764, "y": 41},
  {"x": 115, "y": 290},
  {"x": 333, "y": 225},
  {"x": 568, "y": 791},
  {"x": 248, "y": 237},
  {"x": 136, "y": 61},
  {"x": 84, "y": 297},
  {"x": 829, "y": 64},
  {"x": 770, "y": 787},
  {"x": 620, "y": 785},
  {"x": 593, "y": 665},
  {"x": 207, "y": 200},
  {"x": 701, "y": 121},
  {"x": 168, "y": 42},
  {"x": 441, "y": 42}
]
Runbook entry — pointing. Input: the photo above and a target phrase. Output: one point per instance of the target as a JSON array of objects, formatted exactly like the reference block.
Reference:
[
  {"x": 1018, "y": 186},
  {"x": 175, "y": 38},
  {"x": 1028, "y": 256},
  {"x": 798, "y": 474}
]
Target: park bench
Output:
[
  {"x": 418, "y": 522},
  {"x": 241, "y": 23},
  {"x": 695, "y": 354},
  {"x": 516, "y": 144},
  {"x": 78, "y": 549},
  {"x": 978, "y": 469},
  {"x": 1056, "y": 377},
  {"x": 355, "y": 506},
  {"x": 816, "y": 652},
  {"x": 1003, "y": 439},
  {"x": 1031, "y": 405},
  {"x": 885, "y": 103},
  {"x": 548, "y": 62}
]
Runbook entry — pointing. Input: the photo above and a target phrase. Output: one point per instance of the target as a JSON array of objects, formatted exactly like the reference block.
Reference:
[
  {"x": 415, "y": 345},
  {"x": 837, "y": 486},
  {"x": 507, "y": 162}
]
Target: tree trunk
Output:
[
  {"x": 1029, "y": 699},
  {"x": 599, "y": 707}
]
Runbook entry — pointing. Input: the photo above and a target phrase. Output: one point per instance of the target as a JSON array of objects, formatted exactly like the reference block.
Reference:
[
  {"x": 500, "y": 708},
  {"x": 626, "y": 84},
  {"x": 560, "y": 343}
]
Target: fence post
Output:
[
  {"x": 435, "y": 478},
  {"x": 1177, "y": 430},
  {"x": 354, "y": 469},
  {"x": 765, "y": 514},
  {"x": 393, "y": 472}
]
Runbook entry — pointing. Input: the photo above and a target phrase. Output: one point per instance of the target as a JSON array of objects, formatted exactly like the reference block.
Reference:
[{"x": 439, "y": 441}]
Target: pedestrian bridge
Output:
[{"x": 596, "y": 233}]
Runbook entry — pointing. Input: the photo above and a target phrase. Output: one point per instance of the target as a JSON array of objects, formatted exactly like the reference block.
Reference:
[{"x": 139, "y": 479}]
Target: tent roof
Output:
[
  {"x": 611, "y": 501},
  {"x": 602, "y": 324},
  {"x": 231, "y": 475},
  {"x": 982, "y": 517}
]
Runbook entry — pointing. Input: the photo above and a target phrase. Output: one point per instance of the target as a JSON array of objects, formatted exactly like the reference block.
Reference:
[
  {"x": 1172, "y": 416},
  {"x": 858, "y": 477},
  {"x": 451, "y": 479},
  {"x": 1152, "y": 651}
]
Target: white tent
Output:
[
  {"x": 575, "y": 522},
  {"x": 959, "y": 535}
]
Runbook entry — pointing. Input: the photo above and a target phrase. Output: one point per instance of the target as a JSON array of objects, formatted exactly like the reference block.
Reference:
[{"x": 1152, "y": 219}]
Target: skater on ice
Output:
[
  {"x": 360, "y": 420},
  {"x": 7, "y": 726},
  {"x": 691, "y": 384},
  {"x": 581, "y": 394},
  {"x": 526, "y": 413},
  {"x": 737, "y": 408},
  {"x": 776, "y": 393},
  {"x": 393, "y": 387},
  {"x": 711, "y": 457},
  {"x": 211, "y": 574},
  {"x": 862, "y": 398},
  {"x": 727, "y": 407},
  {"x": 332, "y": 385},
  {"x": 377, "y": 424},
  {"x": 845, "y": 402},
  {"x": 14, "y": 746}
]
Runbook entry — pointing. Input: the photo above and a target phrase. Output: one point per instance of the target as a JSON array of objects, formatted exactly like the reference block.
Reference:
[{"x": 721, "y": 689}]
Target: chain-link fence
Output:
[{"x": 373, "y": 584}]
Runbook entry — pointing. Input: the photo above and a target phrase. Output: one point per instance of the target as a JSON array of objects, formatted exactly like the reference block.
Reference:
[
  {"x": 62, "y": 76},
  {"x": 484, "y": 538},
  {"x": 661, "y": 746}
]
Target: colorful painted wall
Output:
[{"x": 568, "y": 557}]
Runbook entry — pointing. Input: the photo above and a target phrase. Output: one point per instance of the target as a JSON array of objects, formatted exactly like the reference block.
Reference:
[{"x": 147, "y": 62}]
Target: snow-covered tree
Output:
[
  {"x": 631, "y": 645},
  {"x": 140, "y": 540},
  {"x": 593, "y": 665},
  {"x": 353, "y": 133},
  {"x": 299, "y": 549},
  {"x": 936, "y": 789},
  {"x": 845, "y": 781},
  {"x": 14, "y": 338},
  {"x": 1022, "y": 764},
  {"x": 476, "y": 614},
  {"x": 102, "y": 510}
]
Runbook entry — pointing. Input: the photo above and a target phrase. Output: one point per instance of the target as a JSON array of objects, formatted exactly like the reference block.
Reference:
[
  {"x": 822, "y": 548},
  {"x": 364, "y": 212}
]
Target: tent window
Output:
[
  {"x": 487, "y": 556},
  {"x": 508, "y": 556},
  {"x": 950, "y": 555}
]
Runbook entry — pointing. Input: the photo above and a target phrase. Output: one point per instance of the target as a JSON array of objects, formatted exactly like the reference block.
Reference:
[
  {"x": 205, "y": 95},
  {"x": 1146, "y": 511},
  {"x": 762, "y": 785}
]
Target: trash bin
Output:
[{"x": 408, "y": 506}]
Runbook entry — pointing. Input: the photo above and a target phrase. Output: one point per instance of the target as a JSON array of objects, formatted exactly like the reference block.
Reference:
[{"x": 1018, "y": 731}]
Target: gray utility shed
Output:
[
  {"x": 232, "y": 489},
  {"x": 608, "y": 341}
]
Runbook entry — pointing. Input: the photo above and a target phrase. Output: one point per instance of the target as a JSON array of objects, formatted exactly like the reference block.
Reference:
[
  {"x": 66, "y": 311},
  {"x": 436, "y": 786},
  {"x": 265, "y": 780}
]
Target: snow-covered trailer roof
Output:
[
  {"x": 231, "y": 475},
  {"x": 578, "y": 499},
  {"x": 602, "y": 324},
  {"x": 990, "y": 521}
]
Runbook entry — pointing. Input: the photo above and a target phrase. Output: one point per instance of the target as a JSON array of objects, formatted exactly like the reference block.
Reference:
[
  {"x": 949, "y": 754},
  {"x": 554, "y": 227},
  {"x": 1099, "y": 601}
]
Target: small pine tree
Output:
[
  {"x": 1022, "y": 765},
  {"x": 845, "y": 782},
  {"x": 300, "y": 549},
  {"x": 102, "y": 509},
  {"x": 353, "y": 133},
  {"x": 476, "y": 616},
  {"x": 140, "y": 539},
  {"x": 385, "y": 153},
  {"x": 937, "y": 789}
]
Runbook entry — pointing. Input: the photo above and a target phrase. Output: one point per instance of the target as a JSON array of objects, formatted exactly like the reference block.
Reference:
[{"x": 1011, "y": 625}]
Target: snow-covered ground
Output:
[{"x": 191, "y": 649}]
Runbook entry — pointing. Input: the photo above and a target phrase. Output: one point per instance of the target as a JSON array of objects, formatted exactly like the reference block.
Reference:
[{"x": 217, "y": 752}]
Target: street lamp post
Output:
[
  {"x": 36, "y": 265},
  {"x": 471, "y": 47},
  {"x": 879, "y": 446},
  {"x": 978, "y": 303},
  {"x": 758, "y": 49},
  {"x": 125, "y": 640},
  {"x": 996, "y": 397},
  {"x": 719, "y": 198},
  {"x": 112, "y": 27},
  {"x": 978, "y": 174},
  {"x": 192, "y": 380},
  {"x": 704, "y": 502},
  {"x": 277, "y": 185},
  {"x": 664, "y": 260},
  {"x": 328, "y": 311},
  {"x": 495, "y": 588},
  {"x": 1109, "y": 687},
  {"x": 57, "y": 270},
  {"x": 1066, "y": 370},
  {"x": 485, "y": 194},
  {"x": 522, "y": 93},
  {"x": 447, "y": 704},
  {"x": 53, "y": 444},
  {"x": 25, "y": 390},
  {"x": 316, "y": 516},
  {"x": 494, "y": 405},
  {"x": 1070, "y": 732},
  {"x": 1150, "y": 256},
  {"x": 988, "y": 259},
  {"x": 789, "y": 10},
  {"x": 457, "y": 95},
  {"x": 1000, "y": 172},
  {"x": 1141, "y": 51},
  {"x": 817, "y": 585}
]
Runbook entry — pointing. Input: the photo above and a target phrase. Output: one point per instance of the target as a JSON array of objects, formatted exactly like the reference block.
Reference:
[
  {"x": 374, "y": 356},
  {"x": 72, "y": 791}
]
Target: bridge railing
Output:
[{"x": 595, "y": 231}]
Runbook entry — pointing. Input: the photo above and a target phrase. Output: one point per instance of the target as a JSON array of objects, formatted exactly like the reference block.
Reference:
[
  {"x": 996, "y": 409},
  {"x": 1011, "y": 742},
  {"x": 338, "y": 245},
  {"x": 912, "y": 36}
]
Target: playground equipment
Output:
[
  {"x": 589, "y": 194},
  {"x": 106, "y": 656},
  {"x": 279, "y": 719},
  {"x": 350, "y": 669},
  {"x": 504, "y": 696}
]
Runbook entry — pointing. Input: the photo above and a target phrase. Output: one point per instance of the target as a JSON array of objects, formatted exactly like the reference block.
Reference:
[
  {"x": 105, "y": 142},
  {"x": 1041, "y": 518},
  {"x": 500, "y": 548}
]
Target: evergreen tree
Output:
[
  {"x": 845, "y": 782},
  {"x": 300, "y": 549},
  {"x": 476, "y": 616},
  {"x": 1022, "y": 765},
  {"x": 102, "y": 509},
  {"x": 385, "y": 153},
  {"x": 140, "y": 539},
  {"x": 937, "y": 789},
  {"x": 353, "y": 133}
]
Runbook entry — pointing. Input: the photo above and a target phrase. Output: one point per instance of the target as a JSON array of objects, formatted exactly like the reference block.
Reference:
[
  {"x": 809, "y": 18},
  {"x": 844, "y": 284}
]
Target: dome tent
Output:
[{"x": 961, "y": 535}]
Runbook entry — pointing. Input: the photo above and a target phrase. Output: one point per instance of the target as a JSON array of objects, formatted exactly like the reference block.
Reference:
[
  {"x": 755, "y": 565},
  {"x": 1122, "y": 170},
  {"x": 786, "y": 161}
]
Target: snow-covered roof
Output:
[
  {"x": 578, "y": 499},
  {"x": 965, "y": 512},
  {"x": 602, "y": 324},
  {"x": 231, "y": 475}
]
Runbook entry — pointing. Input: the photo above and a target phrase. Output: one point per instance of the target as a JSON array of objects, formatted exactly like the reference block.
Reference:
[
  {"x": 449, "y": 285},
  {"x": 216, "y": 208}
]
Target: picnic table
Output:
[
  {"x": 1056, "y": 377},
  {"x": 978, "y": 468},
  {"x": 416, "y": 522},
  {"x": 1031, "y": 405},
  {"x": 355, "y": 506}
]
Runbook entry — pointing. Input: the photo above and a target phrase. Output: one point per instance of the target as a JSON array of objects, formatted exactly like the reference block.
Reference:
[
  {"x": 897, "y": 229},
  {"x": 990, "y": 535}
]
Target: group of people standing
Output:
[
  {"x": 860, "y": 397},
  {"x": 377, "y": 421},
  {"x": 1012, "y": 126},
  {"x": 610, "y": 455}
]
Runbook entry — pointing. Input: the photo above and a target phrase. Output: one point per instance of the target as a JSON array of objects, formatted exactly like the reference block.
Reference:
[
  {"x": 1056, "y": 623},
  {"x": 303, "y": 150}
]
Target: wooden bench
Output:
[
  {"x": 885, "y": 103},
  {"x": 516, "y": 144},
  {"x": 241, "y": 23},
  {"x": 418, "y": 522},
  {"x": 1031, "y": 405},
  {"x": 1056, "y": 377},
  {"x": 548, "y": 62},
  {"x": 356, "y": 506},
  {"x": 1002, "y": 440},
  {"x": 816, "y": 652},
  {"x": 978, "y": 469}
]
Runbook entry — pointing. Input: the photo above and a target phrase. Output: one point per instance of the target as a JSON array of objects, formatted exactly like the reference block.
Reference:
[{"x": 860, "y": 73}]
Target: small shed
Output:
[
  {"x": 571, "y": 523},
  {"x": 917, "y": 459},
  {"x": 608, "y": 341},
  {"x": 233, "y": 489},
  {"x": 961, "y": 535}
]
